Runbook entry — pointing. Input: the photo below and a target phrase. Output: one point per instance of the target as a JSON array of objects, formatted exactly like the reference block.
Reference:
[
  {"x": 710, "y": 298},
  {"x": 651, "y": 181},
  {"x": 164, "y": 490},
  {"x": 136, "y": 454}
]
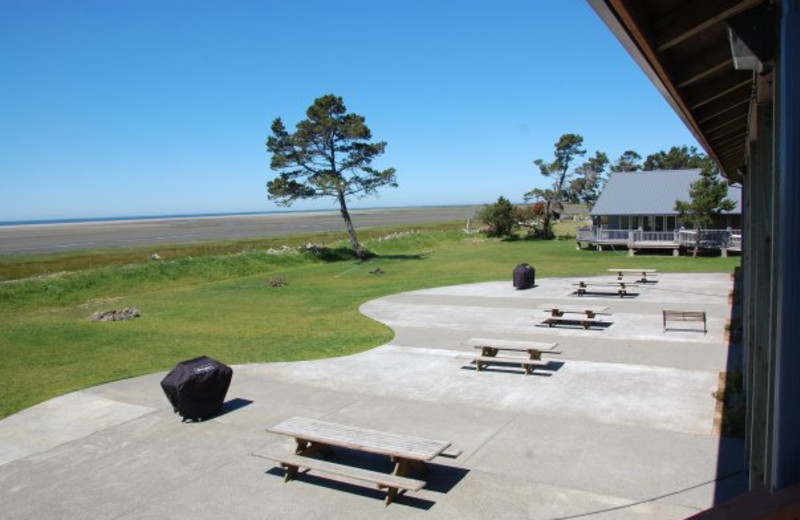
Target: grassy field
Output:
[{"x": 222, "y": 303}]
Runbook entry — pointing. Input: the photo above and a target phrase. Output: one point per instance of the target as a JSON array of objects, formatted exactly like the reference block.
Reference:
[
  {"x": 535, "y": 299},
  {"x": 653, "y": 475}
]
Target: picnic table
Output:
[
  {"x": 314, "y": 437},
  {"x": 586, "y": 316},
  {"x": 557, "y": 310},
  {"x": 630, "y": 271},
  {"x": 621, "y": 288},
  {"x": 490, "y": 348}
]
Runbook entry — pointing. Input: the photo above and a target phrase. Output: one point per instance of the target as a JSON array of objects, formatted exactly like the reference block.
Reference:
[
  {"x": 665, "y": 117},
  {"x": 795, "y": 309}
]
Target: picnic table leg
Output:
[
  {"x": 291, "y": 472},
  {"x": 312, "y": 449},
  {"x": 404, "y": 467},
  {"x": 390, "y": 494}
]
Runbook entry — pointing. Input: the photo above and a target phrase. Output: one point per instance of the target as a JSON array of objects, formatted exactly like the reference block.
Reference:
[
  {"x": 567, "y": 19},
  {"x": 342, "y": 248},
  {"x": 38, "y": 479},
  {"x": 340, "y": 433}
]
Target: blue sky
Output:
[{"x": 139, "y": 107}]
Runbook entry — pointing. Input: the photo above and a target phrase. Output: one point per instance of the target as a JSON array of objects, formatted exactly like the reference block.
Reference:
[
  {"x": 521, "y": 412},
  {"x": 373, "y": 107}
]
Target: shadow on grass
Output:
[{"x": 345, "y": 254}]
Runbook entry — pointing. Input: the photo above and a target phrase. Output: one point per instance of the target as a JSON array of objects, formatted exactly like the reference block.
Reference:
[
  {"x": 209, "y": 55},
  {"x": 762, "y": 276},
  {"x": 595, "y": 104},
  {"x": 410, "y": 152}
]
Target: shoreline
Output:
[
  {"x": 109, "y": 234},
  {"x": 200, "y": 216}
]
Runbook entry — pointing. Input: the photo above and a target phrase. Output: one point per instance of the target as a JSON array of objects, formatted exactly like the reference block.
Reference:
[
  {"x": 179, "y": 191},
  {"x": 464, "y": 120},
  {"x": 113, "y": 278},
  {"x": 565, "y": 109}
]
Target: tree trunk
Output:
[
  {"x": 696, "y": 242},
  {"x": 351, "y": 232}
]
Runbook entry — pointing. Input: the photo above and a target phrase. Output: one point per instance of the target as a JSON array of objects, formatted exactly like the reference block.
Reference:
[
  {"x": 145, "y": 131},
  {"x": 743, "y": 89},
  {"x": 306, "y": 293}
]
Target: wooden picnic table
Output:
[
  {"x": 491, "y": 347},
  {"x": 557, "y": 310},
  {"x": 308, "y": 432},
  {"x": 619, "y": 287},
  {"x": 621, "y": 272},
  {"x": 588, "y": 318},
  {"x": 314, "y": 437}
]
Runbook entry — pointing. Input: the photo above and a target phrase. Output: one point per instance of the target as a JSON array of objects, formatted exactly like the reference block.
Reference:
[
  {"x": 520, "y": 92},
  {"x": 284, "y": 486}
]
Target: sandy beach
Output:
[{"x": 48, "y": 238}]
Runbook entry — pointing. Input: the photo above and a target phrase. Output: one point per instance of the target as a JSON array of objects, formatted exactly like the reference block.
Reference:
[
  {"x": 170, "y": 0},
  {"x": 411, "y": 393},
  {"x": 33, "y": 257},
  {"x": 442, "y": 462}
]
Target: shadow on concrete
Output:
[
  {"x": 731, "y": 475},
  {"x": 233, "y": 405},
  {"x": 626, "y": 296},
  {"x": 683, "y": 329},
  {"x": 439, "y": 478},
  {"x": 577, "y": 324},
  {"x": 547, "y": 370}
]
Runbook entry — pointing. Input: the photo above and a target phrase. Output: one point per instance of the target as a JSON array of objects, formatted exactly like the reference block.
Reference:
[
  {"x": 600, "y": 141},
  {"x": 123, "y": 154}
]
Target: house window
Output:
[
  {"x": 624, "y": 222},
  {"x": 660, "y": 223}
]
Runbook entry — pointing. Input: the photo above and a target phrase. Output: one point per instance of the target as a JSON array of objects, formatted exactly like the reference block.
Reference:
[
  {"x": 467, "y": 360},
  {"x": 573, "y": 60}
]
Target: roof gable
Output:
[{"x": 650, "y": 192}]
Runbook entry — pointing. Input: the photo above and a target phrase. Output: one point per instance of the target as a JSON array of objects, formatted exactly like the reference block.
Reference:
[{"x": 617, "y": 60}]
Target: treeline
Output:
[{"x": 578, "y": 183}]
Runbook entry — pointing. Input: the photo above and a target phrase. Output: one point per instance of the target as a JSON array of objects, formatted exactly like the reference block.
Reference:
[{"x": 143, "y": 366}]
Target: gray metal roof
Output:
[{"x": 651, "y": 192}]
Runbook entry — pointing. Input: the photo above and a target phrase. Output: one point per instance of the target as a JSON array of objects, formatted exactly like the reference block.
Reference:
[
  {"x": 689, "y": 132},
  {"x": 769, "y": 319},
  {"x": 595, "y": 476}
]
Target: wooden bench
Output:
[
  {"x": 315, "y": 437},
  {"x": 621, "y": 287},
  {"x": 491, "y": 347},
  {"x": 669, "y": 315},
  {"x": 557, "y": 313},
  {"x": 391, "y": 483},
  {"x": 652, "y": 273}
]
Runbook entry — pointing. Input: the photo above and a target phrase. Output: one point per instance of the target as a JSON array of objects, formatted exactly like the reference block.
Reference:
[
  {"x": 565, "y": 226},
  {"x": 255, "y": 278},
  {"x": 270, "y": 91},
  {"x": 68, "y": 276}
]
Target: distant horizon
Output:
[{"x": 132, "y": 218}]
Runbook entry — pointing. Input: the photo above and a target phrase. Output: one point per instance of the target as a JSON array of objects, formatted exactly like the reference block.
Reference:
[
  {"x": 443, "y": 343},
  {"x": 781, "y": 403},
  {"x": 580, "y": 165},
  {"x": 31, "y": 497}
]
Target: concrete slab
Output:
[
  {"x": 621, "y": 425},
  {"x": 61, "y": 420}
]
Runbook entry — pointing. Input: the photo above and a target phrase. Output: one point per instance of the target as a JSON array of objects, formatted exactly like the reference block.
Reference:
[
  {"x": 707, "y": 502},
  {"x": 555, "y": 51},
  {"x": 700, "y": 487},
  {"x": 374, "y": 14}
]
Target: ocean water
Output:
[{"x": 152, "y": 217}]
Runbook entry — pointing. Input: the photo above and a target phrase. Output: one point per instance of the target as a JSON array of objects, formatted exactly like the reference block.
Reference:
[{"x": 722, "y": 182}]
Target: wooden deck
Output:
[{"x": 677, "y": 240}]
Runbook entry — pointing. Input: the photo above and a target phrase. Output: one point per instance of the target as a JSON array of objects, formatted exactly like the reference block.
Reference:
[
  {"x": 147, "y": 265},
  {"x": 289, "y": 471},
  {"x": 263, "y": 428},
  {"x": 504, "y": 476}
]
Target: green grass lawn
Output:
[{"x": 223, "y": 305}]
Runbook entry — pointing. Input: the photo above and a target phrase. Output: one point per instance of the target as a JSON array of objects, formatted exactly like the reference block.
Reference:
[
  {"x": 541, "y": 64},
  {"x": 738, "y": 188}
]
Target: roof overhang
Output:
[{"x": 690, "y": 51}]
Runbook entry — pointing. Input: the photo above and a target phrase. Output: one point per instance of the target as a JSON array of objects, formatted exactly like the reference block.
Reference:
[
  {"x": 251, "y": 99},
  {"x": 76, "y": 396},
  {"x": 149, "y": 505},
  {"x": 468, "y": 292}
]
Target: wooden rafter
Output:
[
  {"x": 695, "y": 17},
  {"x": 707, "y": 71},
  {"x": 742, "y": 119},
  {"x": 716, "y": 89},
  {"x": 721, "y": 107}
]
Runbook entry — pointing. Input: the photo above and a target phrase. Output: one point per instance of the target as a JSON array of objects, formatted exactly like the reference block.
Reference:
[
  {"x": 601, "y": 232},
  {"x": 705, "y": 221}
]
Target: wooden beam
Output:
[
  {"x": 734, "y": 137},
  {"x": 696, "y": 17},
  {"x": 720, "y": 107},
  {"x": 715, "y": 90},
  {"x": 706, "y": 72},
  {"x": 729, "y": 150},
  {"x": 741, "y": 120},
  {"x": 712, "y": 60}
]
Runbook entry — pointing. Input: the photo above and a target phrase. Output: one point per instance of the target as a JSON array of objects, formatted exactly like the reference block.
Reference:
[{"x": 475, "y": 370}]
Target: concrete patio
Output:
[{"x": 622, "y": 424}]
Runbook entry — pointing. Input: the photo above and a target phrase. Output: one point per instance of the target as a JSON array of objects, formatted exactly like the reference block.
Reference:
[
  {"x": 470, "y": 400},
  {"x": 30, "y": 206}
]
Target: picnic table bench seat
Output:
[
  {"x": 391, "y": 483},
  {"x": 674, "y": 315}
]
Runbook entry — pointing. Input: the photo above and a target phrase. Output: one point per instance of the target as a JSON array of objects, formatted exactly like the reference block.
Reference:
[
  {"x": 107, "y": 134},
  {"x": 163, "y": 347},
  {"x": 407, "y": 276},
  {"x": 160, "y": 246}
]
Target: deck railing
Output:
[{"x": 709, "y": 238}]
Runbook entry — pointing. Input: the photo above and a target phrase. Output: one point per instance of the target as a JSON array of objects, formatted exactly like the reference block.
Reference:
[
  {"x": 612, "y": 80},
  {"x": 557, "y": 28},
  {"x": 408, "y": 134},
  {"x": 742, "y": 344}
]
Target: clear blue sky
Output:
[{"x": 138, "y": 107}]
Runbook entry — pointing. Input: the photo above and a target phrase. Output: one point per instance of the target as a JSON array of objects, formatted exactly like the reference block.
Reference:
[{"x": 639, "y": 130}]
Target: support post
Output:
[{"x": 786, "y": 429}]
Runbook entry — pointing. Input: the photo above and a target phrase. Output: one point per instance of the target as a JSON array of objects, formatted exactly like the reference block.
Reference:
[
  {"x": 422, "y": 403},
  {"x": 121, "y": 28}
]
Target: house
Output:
[
  {"x": 646, "y": 200},
  {"x": 637, "y": 210}
]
